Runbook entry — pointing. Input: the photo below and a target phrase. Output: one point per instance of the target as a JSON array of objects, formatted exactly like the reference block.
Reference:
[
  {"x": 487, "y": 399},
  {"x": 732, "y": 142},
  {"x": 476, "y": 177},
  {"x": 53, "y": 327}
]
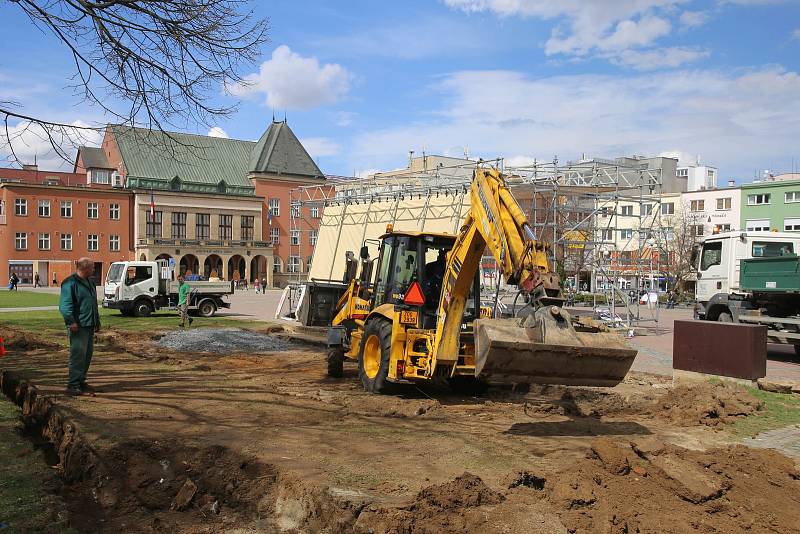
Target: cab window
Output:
[
  {"x": 139, "y": 273},
  {"x": 712, "y": 255}
]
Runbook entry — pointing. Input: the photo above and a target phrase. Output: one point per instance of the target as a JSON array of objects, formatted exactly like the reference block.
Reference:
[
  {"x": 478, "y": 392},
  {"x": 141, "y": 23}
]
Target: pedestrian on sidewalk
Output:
[
  {"x": 12, "y": 282},
  {"x": 36, "y": 282},
  {"x": 55, "y": 280},
  {"x": 183, "y": 301},
  {"x": 257, "y": 285},
  {"x": 264, "y": 286},
  {"x": 78, "y": 306}
]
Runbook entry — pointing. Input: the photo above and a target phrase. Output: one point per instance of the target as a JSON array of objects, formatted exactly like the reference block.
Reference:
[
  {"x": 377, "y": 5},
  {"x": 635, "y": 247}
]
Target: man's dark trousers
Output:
[{"x": 81, "y": 346}]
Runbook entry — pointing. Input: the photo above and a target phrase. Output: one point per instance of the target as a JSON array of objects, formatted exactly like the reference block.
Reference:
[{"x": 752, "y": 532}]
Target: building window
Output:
[
  {"x": 723, "y": 204},
  {"x": 757, "y": 225},
  {"x": 606, "y": 235},
  {"x": 154, "y": 224},
  {"x": 92, "y": 242},
  {"x": 697, "y": 230},
  {"x": 21, "y": 241},
  {"x": 698, "y": 205},
  {"x": 668, "y": 233},
  {"x": 682, "y": 173},
  {"x": 91, "y": 210},
  {"x": 202, "y": 226},
  {"x": 723, "y": 228},
  {"x": 44, "y": 241},
  {"x": 295, "y": 211},
  {"x": 647, "y": 209},
  {"x": 668, "y": 208},
  {"x": 178, "y": 225},
  {"x": 791, "y": 196},
  {"x": 275, "y": 206},
  {"x": 113, "y": 243},
  {"x": 277, "y": 264},
  {"x": 248, "y": 224},
  {"x": 100, "y": 176},
  {"x": 113, "y": 212},
  {"x": 758, "y": 199},
  {"x": 295, "y": 265},
  {"x": 117, "y": 180},
  {"x": 626, "y": 234},
  {"x": 312, "y": 237},
  {"x": 66, "y": 241},
  {"x": 295, "y": 237},
  {"x": 44, "y": 208},
  {"x": 315, "y": 212},
  {"x": 66, "y": 209},
  {"x": 20, "y": 207},
  {"x": 644, "y": 235},
  {"x": 626, "y": 210},
  {"x": 226, "y": 226},
  {"x": 792, "y": 224},
  {"x": 274, "y": 236}
]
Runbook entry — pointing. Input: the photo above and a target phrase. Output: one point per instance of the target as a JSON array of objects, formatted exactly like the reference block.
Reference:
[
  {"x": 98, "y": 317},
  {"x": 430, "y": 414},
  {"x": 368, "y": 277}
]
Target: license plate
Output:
[
  {"x": 408, "y": 317},
  {"x": 105, "y": 304}
]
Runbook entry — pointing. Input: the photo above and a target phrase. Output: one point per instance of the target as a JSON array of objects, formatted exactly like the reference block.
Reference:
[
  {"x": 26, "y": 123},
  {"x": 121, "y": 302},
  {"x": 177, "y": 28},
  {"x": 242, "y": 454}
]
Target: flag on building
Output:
[
  {"x": 152, "y": 207},
  {"x": 269, "y": 217}
]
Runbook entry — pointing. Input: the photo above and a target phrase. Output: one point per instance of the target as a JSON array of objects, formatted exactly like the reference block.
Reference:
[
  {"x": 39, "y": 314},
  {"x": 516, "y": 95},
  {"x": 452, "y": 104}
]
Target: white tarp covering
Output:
[{"x": 345, "y": 226}]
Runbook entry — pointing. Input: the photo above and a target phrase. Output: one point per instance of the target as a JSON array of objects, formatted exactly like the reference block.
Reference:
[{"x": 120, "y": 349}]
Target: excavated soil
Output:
[
  {"x": 18, "y": 340},
  {"x": 208, "y": 442}
]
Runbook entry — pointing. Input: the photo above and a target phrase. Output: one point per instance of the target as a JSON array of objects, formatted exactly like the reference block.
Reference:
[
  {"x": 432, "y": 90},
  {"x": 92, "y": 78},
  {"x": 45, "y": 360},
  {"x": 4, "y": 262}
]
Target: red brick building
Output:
[{"x": 50, "y": 219}]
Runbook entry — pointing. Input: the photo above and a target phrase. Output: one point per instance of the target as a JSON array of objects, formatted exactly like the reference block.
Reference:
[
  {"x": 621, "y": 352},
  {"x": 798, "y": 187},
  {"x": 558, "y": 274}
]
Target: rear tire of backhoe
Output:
[
  {"x": 335, "y": 363},
  {"x": 374, "y": 355}
]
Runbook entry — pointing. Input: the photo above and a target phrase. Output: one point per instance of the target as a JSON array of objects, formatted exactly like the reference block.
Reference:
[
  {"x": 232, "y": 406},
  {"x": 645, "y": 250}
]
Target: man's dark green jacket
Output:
[{"x": 78, "y": 302}]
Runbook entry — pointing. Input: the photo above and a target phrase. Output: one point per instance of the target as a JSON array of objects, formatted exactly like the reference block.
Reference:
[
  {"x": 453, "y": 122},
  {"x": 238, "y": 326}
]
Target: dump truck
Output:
[
  {"x": 754, "y": 278},
  {"x": 413, "y": 314},
  {"x": 139, "y": 288}
]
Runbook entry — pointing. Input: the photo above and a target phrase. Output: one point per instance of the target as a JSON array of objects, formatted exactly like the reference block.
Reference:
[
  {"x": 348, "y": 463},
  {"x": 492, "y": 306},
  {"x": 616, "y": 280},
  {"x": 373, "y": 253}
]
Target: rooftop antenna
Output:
[
  {"x": 284, "y": 116},
  {"x": 273, "y": 114}
]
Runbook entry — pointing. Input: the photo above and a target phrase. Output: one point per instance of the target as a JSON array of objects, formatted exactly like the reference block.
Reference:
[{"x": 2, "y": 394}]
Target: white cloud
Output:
[
  {"x": 30, "y": 142},
  {"x": 694, "y": 19},
  {"x": 216, "y": 131},
  {"x": 345, "y": 118},
  {"x": 319, "y": 147},
  {"x": 291, "y": 81},
  {"x": 796, "y": 34},
  {"x": 729, "y": 118},
  {"x": 659, "y": 58}
]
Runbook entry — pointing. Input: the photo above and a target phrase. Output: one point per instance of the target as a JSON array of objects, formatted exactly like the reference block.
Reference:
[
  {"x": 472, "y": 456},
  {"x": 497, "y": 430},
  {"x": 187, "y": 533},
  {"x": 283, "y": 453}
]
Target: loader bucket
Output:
[{"x": 546, "y": 349}]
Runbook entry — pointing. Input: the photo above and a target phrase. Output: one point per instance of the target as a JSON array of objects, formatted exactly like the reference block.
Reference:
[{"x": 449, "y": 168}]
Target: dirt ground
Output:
[{"x": 180, "y": 442}]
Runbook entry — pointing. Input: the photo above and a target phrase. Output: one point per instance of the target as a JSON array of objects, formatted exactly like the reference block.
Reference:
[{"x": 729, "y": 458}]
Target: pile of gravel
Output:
[{"x": 220, "y": 341}]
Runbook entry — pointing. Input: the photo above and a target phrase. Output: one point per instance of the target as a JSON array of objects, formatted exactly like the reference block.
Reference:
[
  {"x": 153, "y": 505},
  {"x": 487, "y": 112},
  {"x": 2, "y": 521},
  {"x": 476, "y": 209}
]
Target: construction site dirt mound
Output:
[
  {"x": 705, "y": 404},
  {"x": 647, "y": 486},
  {"x": 221, "y": 341},
  {"x": 18, "y": 340}
]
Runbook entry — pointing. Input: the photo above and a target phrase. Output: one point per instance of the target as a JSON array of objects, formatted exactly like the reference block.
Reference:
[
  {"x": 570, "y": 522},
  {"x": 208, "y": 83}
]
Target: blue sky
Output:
[{"x": 362, "y": 83}]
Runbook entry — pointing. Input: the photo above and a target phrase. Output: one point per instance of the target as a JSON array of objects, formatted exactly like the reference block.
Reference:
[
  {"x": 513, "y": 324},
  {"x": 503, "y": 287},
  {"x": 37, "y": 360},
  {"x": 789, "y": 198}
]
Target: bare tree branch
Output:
[{"x": 151, "y": 63}]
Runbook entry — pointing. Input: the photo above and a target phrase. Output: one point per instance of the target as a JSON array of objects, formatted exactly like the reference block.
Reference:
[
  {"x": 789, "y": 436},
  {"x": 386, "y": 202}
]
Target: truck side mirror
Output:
[{"x": 364, "y": 252}]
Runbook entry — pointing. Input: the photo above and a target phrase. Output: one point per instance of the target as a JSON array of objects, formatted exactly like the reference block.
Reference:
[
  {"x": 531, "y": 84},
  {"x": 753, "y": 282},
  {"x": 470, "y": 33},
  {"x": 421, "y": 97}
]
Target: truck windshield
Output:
[
  {"x": 771, "y": 249},
  {"x": 712, "y": 255},
  {"x": 115, "y": 273}
]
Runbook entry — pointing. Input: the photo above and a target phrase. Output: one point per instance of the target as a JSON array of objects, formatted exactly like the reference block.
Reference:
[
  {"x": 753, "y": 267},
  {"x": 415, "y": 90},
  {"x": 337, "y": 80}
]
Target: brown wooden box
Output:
[{"x": 725, "y": 349}]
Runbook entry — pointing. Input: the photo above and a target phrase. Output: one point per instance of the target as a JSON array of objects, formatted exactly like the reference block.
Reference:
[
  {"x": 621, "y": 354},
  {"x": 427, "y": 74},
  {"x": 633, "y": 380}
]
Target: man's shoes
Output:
[
  {"x": 74, "y": 392},
  {"x": 87, "y": 389}
]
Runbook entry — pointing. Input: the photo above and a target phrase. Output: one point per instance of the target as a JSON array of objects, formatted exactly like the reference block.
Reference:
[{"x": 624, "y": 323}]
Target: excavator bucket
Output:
[{"x": 544, "y": 348}]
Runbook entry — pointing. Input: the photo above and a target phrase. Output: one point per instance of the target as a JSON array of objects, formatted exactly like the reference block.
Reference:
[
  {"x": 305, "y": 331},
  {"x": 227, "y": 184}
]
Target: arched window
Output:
[
  {"x": 222, "y": 187},
  {"x": 175, "y": 184}
]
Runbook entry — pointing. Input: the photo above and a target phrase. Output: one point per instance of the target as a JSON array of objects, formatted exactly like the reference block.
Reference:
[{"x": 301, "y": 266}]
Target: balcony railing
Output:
[{"x": 160, "y": 242}]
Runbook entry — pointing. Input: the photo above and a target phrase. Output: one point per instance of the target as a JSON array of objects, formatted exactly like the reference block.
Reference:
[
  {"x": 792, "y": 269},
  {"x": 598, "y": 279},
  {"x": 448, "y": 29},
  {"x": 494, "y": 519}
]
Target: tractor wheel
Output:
[
  {"x": 468, "y": 385},
  {"x": 725, "y": 317},
  {"x": 335, "y": 363},
  {"x": 373, "y": 358}
]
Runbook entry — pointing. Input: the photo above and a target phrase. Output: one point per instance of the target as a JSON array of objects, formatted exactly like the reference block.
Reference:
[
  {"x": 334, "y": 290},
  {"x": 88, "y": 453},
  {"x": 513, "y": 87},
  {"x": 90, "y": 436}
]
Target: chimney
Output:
[
  {"x": 731, "y": 183},
  {"x": 30, "y": 167}
]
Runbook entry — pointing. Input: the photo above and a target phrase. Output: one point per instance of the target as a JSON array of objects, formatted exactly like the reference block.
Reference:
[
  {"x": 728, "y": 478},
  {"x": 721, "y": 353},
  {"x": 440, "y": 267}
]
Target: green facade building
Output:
[{"x": 771, "y": 206}]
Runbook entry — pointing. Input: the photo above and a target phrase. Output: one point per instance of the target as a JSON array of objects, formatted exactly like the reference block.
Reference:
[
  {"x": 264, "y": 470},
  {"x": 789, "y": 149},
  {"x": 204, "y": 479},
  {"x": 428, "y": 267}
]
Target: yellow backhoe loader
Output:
[{"x": 420, "y": 319}]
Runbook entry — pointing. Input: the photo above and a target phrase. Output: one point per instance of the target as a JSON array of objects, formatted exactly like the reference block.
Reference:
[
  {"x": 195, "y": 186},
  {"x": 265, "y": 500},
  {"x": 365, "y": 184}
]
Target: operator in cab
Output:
[{"x": 434, "y": 277}]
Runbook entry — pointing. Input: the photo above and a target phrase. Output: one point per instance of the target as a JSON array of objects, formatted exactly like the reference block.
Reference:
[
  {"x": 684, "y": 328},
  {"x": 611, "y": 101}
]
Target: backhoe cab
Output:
[{"x": 414, "y": 313}]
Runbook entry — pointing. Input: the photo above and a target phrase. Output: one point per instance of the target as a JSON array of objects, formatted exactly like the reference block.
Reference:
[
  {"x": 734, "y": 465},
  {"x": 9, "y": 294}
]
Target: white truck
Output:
[
  {"x": 727, "y": 292},
  {"x": 139, "y": 288}
]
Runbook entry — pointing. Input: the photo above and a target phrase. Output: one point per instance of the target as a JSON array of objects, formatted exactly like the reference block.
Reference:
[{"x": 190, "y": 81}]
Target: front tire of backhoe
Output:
[
  {"x": 335, "y": 363},
  {"x": 373, "y": 357}
]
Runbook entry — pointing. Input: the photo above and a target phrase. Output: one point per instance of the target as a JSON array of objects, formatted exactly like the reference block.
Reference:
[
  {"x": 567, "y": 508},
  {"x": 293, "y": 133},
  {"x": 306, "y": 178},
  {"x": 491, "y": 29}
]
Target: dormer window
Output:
[
  {"x": 100, "y": 176},
  {"x": 175, "y": 184},
  {"x": 222, "y": 187}
]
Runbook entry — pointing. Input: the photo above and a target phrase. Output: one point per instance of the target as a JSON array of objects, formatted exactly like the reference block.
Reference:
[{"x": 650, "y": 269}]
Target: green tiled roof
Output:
[
  {"x": 154, "y": 159},
  {"x": 280, "y": 152}
]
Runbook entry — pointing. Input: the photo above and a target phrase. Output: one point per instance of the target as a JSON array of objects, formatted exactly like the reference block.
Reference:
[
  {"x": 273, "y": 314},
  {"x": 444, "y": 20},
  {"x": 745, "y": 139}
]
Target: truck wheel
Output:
[
  {"x": 142, "y": 308},
  {"x": 335, "y": 363},
  {"x": 373, "y": 358},
  {"x": 725, "y": 317},
  {"x": 207, "y": 308}
]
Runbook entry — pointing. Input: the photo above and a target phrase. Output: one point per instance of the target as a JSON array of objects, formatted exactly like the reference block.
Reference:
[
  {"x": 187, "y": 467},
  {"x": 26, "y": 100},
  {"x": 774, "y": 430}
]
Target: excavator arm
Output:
[{"x": 545, "y": 348}]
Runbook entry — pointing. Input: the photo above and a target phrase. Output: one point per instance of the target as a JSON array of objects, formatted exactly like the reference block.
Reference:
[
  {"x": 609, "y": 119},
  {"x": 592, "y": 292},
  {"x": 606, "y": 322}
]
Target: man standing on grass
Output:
[
  {"x": 78, "y": 305},
  {"x": 183, "y": 301}
]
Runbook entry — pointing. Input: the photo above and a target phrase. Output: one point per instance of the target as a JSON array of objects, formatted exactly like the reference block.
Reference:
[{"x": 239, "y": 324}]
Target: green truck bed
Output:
[{"x": 777, "y": 274}]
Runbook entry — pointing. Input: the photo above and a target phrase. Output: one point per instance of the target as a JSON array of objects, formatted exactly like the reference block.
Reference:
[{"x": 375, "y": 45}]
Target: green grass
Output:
[
  {"x": 25, "y": 505},
  {"x": 780, "y": 411},
  {"x": 24, "y": 299},
  {"x": 49, "y": 324}
]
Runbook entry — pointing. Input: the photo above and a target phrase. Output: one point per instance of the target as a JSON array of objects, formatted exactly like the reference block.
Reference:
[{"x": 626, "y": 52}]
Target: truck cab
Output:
[{"x": 718, "y": 264}]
